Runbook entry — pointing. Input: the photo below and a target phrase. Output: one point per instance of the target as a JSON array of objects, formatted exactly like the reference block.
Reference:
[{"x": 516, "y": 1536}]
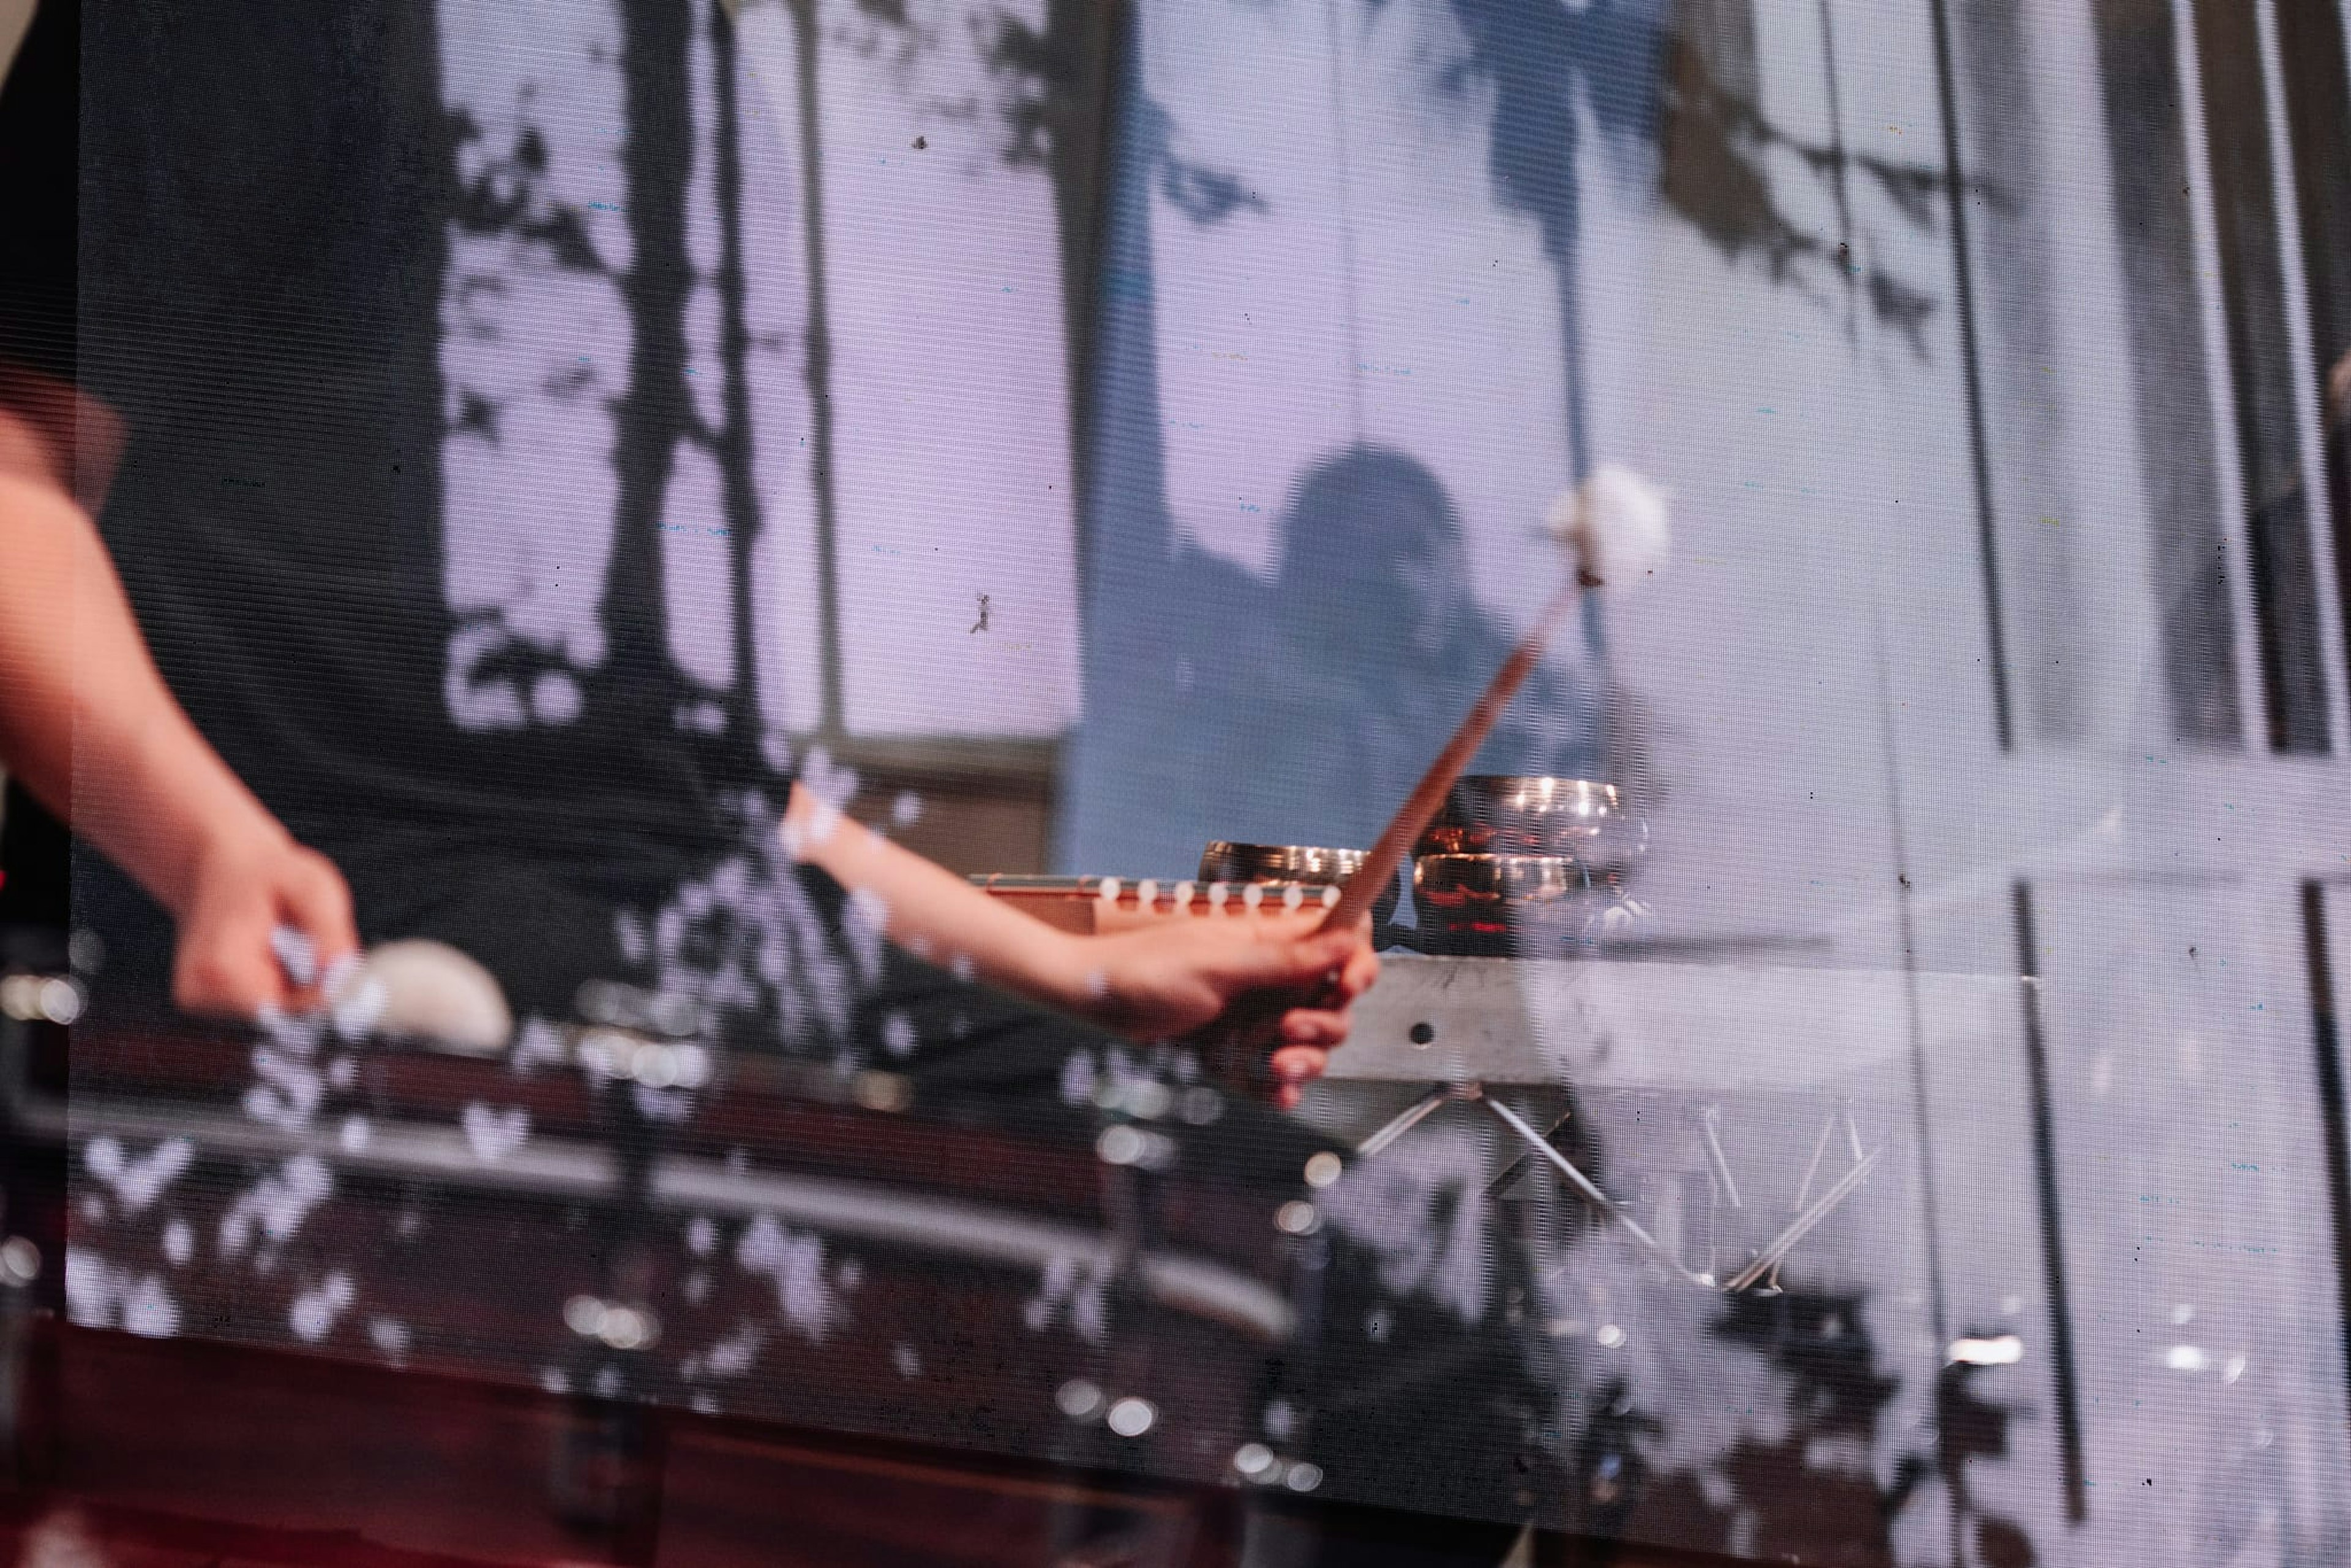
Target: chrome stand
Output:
[{"x": 1762, "y": 1270}]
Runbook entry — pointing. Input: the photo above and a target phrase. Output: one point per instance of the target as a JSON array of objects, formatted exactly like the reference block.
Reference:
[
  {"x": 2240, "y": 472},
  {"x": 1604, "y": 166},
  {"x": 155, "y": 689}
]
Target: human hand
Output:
[
  {"x": 1278, "y": 979},
  {"x": 242, "y": 893}
]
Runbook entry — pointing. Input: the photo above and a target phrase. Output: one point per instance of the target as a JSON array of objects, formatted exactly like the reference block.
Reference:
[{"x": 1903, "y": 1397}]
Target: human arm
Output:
[
  {"x": 88, "y": 724},
  {"x": 1157, "y": 981}
]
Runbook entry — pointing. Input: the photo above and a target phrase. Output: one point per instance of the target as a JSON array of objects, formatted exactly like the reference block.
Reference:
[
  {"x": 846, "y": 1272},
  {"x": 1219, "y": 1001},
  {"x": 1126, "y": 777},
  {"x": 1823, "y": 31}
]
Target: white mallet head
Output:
[
  {"x": 426, "y": 990},
  {"x": 1616, "y": 523}
]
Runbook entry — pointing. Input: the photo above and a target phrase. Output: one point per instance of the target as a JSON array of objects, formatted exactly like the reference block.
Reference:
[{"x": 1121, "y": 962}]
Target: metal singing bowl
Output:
[
  {"x": 1223, "y": 860},
  {"x": 1482, "y": 882},
  {"x": 1583, "y": 819}
]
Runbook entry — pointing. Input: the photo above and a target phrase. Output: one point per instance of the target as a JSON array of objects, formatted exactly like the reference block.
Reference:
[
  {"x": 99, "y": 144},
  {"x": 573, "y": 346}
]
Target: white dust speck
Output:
[
  {"x": 1070, "y": 1285},
  {"x": 493, "y": 1136},
  {"x": 733, "y": 1355},
  {"x": 391, "y": 1338},
  {"x": 1421, "y": 1211},
  {"x": 357, "y": 1011},
  {"x": 138, "y": 1183},
  {"x": 538, "y": 1043},
  {"x": 149, "y": 1309},
  {"x": 777, "y": 747},
  {"x": 832, "y": 783},
  {"x": 277, "y": 1203},
  {"x": 1078, "y": 1079},
  {"x": 312, "y": 1317},
  {"x": 749, "y": 941},
  {"x": 100, "y": 1295},
  {"x": 296, "y": 954},
  {"x": 865, "y": 922},
  {"x": 629, "y": 929},
  {"x": 671, "y": 1106},
  {"x": 89, "y": 1287},
  {"x": 296, "y": 1034},
  {"x": 294, "y": 1091},
  {"x": 795, "y": 1262}
]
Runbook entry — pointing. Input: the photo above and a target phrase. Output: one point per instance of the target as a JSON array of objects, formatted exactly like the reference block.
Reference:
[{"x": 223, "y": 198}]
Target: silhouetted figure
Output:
[{"x": 1331, "y": 689}]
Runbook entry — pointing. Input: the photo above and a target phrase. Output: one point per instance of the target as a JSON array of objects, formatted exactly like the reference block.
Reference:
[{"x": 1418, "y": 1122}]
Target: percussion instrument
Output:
[
  {"x": 1283, "y": 865},
  {"x": 1223, "y": 861},
  {"x": 1472, "y": 1021},
  {"x": 1532, "y": 864},
  {"x": 618, "y": 1211},
  {"x": 416, "y": 989},
  {"x": 1582, "y": 819},
  {"x": 1090, "y": 904}
]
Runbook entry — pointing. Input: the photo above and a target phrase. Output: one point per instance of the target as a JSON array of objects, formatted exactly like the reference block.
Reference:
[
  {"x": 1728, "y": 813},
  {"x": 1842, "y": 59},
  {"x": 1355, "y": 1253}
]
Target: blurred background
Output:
[{"x": 1102, "y": 427}]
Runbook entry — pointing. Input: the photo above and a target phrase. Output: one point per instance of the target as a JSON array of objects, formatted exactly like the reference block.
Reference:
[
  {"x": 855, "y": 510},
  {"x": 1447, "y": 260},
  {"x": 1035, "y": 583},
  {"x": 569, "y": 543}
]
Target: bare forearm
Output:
[
  {"x": 1159, "y": 981},
  {"x": 936, "y": 915},
  {"x": 86, "y": 722}
]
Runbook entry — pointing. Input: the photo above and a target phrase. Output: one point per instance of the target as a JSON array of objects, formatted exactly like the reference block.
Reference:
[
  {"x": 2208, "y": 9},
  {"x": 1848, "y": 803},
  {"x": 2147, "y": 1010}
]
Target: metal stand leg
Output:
[
  {"x": 1584, "y": 1185},
  {"x": 1412, "y": 1117},
  {"x": 1710, "y": 1124},
  {"x": 1510, "y": 1173},
  {"x": 1769, "y": 1258},
  {"x": 1765, "y": 1263}
]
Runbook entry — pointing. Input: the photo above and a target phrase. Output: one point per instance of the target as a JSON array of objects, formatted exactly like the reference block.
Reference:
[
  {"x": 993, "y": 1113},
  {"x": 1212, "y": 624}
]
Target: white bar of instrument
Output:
[{"x": 1709, "y": 1028}]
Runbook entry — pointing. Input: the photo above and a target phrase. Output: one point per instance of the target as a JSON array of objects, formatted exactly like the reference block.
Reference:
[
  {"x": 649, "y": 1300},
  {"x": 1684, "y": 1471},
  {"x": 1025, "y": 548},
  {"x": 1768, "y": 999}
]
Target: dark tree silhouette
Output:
[
  {"x": 640, "y": 683},
  {"x": 1811, "y": 1496},
  {"x": 650, "y": 417},
  {"x": 1714, "y": 141}
]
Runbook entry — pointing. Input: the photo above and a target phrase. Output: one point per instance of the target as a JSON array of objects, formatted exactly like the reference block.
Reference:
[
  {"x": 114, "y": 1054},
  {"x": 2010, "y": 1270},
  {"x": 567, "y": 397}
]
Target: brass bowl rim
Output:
[
  {"x": 1616, "y": 795},
  {"x": 1289, "y": 861}
]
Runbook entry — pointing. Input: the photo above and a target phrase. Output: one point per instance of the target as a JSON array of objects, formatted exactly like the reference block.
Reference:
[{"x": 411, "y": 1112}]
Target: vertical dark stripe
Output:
[
  {"x": 1915, "y": 1029},
  {"x": 2318, "y": 122},
  {"x": 732, "y": 442},
  {"x": 1350, "y": 305},
  {"x": 418, "y": 419},
  {"x": 2327, "y": 1039},
  {"x": 40, "y": 171},
  {"x": 2260, "y": 364},
  {"x": 650, "y": 416},
  {"x": 1081, "y": 54},
  {"x": 2147, "y": 144},
  {"x": 1907, "y": 926},
  {"x": 1840, "y": 185},
  {"x": 2052, "y": 1237},
  {"x": 1971, "y": 379},
  {"x": 831, "y": 722}
]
